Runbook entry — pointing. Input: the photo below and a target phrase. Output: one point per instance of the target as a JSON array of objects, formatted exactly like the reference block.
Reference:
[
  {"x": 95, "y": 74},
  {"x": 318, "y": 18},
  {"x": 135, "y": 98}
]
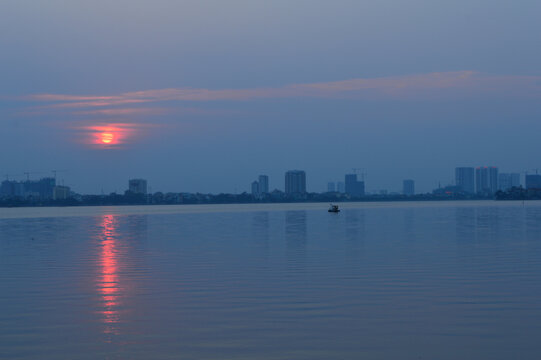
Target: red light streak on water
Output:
[{"x": 108, "y": 280}]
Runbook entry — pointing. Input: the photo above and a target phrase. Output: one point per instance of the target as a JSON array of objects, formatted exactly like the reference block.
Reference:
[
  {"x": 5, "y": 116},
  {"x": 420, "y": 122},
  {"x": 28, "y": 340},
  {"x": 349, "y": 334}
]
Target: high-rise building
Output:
[
  {"x": 408, "y": 187},
  {"x": 295, "y": 182},
  {"x": 481, "y": 179},
  {"x": 351, "y": 182},
  {"x": 493, "y": 179},
  {"x": 354, "y": 187},
  {"x": 331, "y": 186},
  {"x": 138, "y": 186},
  {"x": 255, "y": 188},
  {"x": 486, "y": 179},
  {"x": 533, "y": 181},
  {"x": 515, "y": 180},
  {"x": 263, "y": 184},
  {"x": 464, "y": 179},
  {"x": 508, "y": 181},
  {"x": 46, "y": 187}
]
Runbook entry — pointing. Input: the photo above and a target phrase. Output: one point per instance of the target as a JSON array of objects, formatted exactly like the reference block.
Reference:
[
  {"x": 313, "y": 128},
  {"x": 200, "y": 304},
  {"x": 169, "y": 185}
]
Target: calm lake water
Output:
[{"x": 453, "y": 280}]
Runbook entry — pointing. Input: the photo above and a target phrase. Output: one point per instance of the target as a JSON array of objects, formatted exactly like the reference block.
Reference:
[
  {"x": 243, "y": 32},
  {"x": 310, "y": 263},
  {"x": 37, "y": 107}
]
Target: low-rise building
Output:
[{"x": 61, "y": 192}]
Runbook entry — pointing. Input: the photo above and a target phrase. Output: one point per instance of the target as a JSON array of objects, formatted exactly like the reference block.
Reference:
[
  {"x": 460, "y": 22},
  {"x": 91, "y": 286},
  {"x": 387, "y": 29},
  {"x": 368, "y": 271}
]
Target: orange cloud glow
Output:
[{"x": 110, "y": 136}]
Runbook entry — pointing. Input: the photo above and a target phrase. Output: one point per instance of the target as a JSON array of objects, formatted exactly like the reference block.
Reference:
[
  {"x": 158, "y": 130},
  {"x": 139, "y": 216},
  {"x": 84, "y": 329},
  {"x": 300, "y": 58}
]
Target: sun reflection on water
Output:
[{"x": 108, "y": 280}]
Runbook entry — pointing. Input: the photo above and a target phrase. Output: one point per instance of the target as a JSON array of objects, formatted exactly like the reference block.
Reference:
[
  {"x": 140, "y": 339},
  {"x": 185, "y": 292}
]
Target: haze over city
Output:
[{"x": 204, "y": 96}]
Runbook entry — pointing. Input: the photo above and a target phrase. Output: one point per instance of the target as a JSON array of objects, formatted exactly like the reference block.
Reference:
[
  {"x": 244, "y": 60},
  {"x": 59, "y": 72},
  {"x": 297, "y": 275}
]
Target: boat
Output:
[{"x": 334, "y": 209}]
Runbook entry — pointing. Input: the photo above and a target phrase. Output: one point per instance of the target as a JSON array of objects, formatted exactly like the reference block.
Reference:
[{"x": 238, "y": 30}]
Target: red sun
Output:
[
  {"x": 111, "y": 136},
  {"x": 107, "y": 138}
]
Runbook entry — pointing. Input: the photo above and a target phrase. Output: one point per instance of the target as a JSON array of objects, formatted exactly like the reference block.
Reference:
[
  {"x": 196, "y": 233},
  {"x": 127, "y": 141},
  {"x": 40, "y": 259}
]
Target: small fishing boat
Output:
[{"x": 334, "y": 209}]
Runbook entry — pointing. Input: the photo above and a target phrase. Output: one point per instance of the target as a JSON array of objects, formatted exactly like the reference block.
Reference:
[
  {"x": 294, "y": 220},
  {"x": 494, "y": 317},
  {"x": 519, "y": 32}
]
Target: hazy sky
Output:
[{"x": 206, "y": 95}]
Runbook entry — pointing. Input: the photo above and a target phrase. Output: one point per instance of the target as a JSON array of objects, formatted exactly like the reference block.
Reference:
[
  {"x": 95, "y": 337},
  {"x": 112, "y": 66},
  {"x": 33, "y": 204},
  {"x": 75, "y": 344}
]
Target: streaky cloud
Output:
[
  {"x": 395, "y": 87},
  {"x": 147, "y": 111},
  {"x": 94, "y": 103}
]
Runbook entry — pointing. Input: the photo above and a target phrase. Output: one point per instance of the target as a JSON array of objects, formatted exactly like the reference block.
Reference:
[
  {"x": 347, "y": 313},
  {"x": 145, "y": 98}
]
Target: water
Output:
[{"x": 454, "y": 280}]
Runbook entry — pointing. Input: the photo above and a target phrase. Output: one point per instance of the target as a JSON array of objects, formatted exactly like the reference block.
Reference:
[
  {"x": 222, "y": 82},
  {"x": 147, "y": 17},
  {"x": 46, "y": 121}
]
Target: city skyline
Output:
[{"x": 469, "y": 180}]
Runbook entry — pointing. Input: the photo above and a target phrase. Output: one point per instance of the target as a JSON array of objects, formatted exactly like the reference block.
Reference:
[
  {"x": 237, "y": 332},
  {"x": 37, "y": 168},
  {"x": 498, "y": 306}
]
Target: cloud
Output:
[
  {"x": 394, "y": 87},
  {"x": 148, "y": 111},
  {"x": 438, "y": 85},
  {"x": 61, "y": 97},
  {"x": 93, "y": 103},
  {"x": 413, "y": 82}
]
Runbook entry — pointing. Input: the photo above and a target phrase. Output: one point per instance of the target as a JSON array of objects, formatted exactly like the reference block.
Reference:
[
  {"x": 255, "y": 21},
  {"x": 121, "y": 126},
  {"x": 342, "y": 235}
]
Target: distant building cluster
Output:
[
  {"x": 472, "y": 183},
  {"x": 486, "y": 180},
  {"x": 482, "y": 182},
  {"x": 260, "y": 187},
  {"x": 42, "y": 189},
  {"x": 295, "y": 186}
]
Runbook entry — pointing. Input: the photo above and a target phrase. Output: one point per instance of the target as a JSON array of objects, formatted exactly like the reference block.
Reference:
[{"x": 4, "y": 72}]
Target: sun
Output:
[
  {"x": 110, "y": 136},
  {"x": 107, "y": 138}
]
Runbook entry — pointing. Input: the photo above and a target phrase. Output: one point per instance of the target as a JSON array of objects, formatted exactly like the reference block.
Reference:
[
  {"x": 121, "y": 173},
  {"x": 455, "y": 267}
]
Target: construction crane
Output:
[
  {"x": 12, "y": 176},
  {"x": 57, "y": 171},
  {"x": 28, "y": 173}
]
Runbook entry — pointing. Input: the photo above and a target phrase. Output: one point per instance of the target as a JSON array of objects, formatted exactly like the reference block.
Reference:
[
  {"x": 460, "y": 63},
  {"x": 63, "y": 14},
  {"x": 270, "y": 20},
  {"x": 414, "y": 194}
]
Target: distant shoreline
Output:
[
  {"x": 81, "y": 211},
  {"x": 275, "y": 197},
  {"x": 75, "y": 203}
]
